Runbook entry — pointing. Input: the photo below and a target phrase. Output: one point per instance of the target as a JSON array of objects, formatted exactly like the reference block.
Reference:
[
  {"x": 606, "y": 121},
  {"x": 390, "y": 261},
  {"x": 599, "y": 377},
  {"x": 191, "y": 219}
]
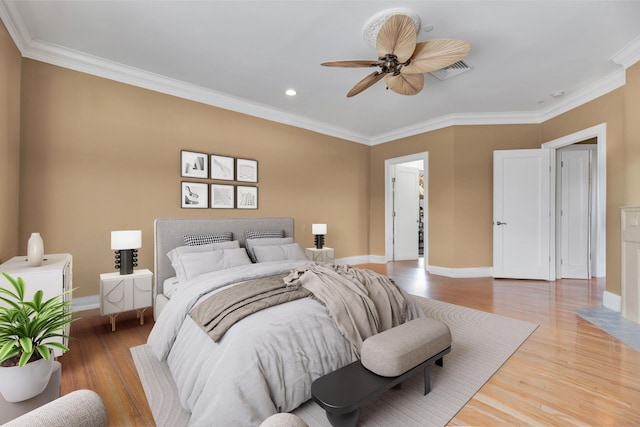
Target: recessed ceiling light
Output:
[
  {"x": 290, "y": 92},
  {"x": 557, "y": 94}
]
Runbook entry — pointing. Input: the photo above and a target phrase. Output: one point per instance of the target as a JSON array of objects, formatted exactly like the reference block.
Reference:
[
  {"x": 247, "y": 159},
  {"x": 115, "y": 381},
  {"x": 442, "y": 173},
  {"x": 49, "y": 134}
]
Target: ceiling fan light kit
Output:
[{"x": 402, "y": 60}]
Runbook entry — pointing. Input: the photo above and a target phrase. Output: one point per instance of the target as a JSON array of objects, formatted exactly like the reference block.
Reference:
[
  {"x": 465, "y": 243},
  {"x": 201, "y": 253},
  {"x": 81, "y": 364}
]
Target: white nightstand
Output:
[
  {"x": 53, "y": 277},
  {"x": 125, "y": 292},
  {"x": 320, "y": 255}
]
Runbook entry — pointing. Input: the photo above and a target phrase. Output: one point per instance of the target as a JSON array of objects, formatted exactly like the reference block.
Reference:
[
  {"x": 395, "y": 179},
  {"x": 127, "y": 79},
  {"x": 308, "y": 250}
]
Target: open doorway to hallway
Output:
[{"x": 406, "y": 203}]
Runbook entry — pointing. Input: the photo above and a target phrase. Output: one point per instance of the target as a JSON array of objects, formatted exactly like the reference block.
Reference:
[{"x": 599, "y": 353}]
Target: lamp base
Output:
[
  {"x": 126, "y": 259},
  {"x": 319, "y": 241}
]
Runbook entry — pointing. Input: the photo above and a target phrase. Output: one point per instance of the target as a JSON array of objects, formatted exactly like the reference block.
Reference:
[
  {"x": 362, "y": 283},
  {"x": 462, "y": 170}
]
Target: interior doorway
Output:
[
  {"x": 550, "y": 228},
  {"x": 406, "y": 208},
  {"x": 598, "y": 236}
]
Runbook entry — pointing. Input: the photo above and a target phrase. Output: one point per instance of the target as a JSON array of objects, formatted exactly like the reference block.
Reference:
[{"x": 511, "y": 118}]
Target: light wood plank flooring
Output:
[{"x": 568, "y": 372}]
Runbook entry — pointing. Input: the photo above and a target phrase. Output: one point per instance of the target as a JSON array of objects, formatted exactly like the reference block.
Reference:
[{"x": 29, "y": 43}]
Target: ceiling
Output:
[{"x": 242, "y": 55}]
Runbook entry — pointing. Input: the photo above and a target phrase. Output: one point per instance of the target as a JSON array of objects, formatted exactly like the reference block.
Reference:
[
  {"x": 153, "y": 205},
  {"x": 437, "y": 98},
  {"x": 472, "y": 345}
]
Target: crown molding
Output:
[
  {"x": 602, "y": 87},
  {"x": 92, "y": 65},
  {"x": 457, "y": 119},
  {"x": 15, "y": 25},
  {"x": 628, "y": 55},
  {"x": 77, "y": 61}
]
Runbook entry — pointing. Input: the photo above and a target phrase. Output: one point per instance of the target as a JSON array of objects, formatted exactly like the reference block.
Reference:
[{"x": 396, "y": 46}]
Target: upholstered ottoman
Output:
[{"x": 387, "y": 359}]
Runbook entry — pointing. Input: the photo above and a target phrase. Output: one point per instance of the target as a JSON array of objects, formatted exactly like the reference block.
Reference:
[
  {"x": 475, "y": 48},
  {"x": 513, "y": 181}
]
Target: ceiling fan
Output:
[{"x": 402, "y": 60}]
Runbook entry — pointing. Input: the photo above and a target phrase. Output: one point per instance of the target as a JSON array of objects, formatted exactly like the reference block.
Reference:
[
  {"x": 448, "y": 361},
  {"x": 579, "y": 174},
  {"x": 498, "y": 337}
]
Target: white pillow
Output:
[
  {"x": 202, "y": 248},
  {"x": 194, "y": 264},
  {"x": 289, "y": 252},
  {"x": 268, "y": 241},
  {"x": 169, "y": 286},
  {"x": 175, "y": 254}
]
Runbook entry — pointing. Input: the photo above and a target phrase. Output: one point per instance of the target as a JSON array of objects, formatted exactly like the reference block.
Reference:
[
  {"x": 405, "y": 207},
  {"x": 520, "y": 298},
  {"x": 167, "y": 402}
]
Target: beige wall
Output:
[
  {"x": 460, "y": 188},
  {"x": 10, "y": 61},
  {"x": 96, "y": 156},
  {"x": 607, "y": 109},
  {"x": 100, "y": 155}
]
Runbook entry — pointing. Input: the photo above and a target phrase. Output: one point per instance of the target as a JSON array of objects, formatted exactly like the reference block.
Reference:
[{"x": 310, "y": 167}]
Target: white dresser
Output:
[{"x": 53, "y": 277}]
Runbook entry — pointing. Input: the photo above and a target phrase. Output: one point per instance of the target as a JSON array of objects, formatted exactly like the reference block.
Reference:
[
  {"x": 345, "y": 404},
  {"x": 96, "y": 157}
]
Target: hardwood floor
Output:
[{"x": 568, "y": 372}]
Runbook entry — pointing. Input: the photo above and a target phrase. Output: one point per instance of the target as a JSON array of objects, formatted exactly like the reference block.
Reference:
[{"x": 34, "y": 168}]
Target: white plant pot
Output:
[{"x": 22, "y": 383}]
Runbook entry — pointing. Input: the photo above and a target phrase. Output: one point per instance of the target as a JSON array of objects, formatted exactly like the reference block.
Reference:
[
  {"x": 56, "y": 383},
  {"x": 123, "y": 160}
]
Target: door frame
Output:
[
  {"x": 388, "y": 203},
  {"x": 600, "y": 133}
]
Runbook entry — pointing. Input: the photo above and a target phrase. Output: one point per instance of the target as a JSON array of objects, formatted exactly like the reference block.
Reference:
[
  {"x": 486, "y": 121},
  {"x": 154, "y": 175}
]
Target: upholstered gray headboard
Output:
[{"x": 169, "y": 233}]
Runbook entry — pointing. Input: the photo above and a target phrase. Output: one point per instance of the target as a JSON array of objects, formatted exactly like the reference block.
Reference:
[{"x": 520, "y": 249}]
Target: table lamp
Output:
[
  {"x": 126, "y": 244},
  {"x": 319, "y": 230}
]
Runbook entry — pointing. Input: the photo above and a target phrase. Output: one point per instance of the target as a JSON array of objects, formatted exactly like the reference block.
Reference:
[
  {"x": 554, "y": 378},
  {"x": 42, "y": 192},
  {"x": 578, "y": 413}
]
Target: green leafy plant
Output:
[{"x": 29, "y": 329}]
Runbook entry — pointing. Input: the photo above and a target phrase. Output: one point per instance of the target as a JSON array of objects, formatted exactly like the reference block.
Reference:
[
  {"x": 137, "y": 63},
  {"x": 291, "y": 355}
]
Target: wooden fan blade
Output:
[
  {"x": 405, "y": 84},
  {"x": 397, "y": 36},
  {"x": 365, "y": 83},
  {"x": 435, "y": 54},
  {"x": 353, "y": 63}
]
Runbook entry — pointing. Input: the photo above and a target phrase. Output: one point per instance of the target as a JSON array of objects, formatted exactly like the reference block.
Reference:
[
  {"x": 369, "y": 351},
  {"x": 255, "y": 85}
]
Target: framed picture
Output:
[
  {"x": 247, "y": 197},
  {"x": 222, "y": 167},
  {"x": 221, "y": 196},
  {"x": 246, "y": 170},
  {"x": 194, "y": 195},
  {"x": 194, "y": 165}
]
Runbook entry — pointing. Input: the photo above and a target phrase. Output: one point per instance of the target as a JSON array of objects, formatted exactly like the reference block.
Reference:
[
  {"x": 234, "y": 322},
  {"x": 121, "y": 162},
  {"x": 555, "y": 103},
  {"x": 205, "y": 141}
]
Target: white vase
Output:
[
  {"x": 35, "y": 250},
  {"x": 22, "y": 383}
]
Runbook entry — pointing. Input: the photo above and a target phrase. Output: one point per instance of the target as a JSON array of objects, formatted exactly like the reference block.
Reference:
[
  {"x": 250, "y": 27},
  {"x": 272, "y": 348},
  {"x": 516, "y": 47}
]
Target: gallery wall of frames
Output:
[{"x": 231, "y": 174}]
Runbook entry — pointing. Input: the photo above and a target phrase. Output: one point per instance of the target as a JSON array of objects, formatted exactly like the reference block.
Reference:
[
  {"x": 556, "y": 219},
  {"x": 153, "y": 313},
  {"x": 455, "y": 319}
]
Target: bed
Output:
[
  {"x": 265, "y": 363},
  {"x": 169, "y": 234}
]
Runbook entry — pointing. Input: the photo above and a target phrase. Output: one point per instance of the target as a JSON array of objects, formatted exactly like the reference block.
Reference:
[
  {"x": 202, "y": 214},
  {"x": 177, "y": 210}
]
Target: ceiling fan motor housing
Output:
[{"x": 373, "y": 25}]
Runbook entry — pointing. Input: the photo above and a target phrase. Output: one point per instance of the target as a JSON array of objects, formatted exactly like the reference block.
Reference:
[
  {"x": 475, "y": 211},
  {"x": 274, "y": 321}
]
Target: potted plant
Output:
[{"x": 29, "y": 330}]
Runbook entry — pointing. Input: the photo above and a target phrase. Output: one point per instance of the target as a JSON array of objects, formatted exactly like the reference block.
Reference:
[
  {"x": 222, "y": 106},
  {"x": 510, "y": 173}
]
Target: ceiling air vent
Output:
[{"x": 452, "y": 70}]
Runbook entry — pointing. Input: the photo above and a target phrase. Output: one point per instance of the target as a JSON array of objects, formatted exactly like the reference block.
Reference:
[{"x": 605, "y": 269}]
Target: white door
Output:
[
  {"x": 521, "y": 214},
  {"x": 406, "y": 208},
  {"x": 575, "y": 214}
]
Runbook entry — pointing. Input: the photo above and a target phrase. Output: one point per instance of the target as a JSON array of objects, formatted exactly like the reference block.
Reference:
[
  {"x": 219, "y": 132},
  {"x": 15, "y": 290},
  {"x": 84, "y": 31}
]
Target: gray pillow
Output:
[
  {"x": 205, "y": 239},
  {"x": 252, "y": 243},
  {"x": 263, "y": 234},
  {"x": 289, "y": 252}
]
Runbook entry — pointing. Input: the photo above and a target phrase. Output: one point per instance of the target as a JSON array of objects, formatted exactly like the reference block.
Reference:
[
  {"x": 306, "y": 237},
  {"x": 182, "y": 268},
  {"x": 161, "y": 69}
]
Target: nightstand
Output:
[
  {"x": 125, "y": 292},
  {"x": 53, "y": 278},
  {"x": 320, "y": 255}
]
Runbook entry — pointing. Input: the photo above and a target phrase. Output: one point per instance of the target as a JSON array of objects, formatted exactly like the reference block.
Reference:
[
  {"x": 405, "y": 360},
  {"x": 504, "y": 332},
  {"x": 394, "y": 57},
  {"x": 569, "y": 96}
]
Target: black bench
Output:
[{"x": 341, "y": 393}]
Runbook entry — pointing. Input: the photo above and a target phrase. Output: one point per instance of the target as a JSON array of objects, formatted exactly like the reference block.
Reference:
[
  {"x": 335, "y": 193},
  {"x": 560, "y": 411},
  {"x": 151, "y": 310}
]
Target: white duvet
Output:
[{"x": 264, "y": 364}]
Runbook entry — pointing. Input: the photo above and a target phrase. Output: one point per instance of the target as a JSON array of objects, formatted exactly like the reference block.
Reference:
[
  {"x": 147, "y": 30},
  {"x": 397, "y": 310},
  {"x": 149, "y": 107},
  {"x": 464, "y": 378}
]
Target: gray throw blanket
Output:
[
  {"x": 220, "y": 311},
  {"x": 361, "y": 301}
]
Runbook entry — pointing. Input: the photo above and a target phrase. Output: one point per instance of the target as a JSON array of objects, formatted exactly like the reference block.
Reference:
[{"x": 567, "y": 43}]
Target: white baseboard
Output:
[
  {"x": 362, "y": 259},
  {"x": 461, "y": 272},
  {"x": 612, "y": 301},
  {"x": 85, "y": 303}
]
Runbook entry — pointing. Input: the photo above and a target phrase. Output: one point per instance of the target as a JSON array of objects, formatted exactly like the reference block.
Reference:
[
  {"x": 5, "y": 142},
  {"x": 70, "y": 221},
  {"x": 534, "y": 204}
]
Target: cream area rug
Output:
[{"x": 481, "y": 343}]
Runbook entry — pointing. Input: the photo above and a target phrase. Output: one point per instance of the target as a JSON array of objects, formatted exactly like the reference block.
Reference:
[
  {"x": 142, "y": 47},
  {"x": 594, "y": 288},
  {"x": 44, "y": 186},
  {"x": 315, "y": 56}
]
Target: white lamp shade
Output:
[
  {"x": 319, "y": 229},
  {"x": 126, "y": 239}
]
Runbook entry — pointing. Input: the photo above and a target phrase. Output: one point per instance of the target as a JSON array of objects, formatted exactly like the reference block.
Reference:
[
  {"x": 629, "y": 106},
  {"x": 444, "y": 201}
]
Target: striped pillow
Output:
[
  {"x": 205, "y": 239},
  {"x": 263, "y": 234}
]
